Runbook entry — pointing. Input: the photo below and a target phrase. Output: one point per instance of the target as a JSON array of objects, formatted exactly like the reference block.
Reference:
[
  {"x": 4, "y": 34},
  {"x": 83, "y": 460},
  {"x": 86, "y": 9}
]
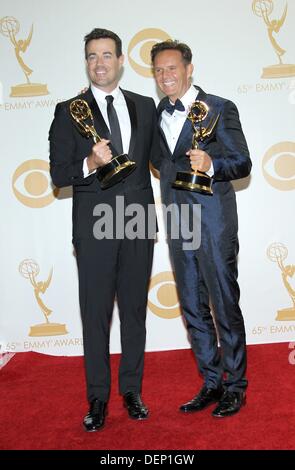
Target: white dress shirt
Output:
[
  {"x": 172, "y": 124},
  {"x": 123, "y": 117}
]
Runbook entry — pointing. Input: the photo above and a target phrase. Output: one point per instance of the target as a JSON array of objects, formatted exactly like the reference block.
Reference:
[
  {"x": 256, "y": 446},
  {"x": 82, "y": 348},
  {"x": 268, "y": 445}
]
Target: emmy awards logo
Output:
[
  {"x": 263, "y": 8},
  {"x": 9, "y": 27},
  {"x": 197, "y": 181},
  {"x": 120, "y": 166},
  {"x": 29, "y": 269},
  {"x": 277, "y": 252}
]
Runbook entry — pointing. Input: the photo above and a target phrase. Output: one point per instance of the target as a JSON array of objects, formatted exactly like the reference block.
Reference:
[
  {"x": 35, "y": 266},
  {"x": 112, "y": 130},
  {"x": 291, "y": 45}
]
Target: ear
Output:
[
  {"x": 190, "y": 70},
  {"x": 121, "y": 59}
]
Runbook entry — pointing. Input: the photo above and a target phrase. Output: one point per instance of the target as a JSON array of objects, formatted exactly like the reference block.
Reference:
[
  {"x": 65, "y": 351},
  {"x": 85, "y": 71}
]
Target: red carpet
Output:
[{"x": 42, "y": 402}]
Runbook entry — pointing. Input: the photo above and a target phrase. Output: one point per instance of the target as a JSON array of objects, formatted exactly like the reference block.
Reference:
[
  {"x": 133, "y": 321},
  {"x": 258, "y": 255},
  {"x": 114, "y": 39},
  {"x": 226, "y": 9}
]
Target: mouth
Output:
[
  {"x": 100, "y": 72},
  {"x": 169, "y": 83}
]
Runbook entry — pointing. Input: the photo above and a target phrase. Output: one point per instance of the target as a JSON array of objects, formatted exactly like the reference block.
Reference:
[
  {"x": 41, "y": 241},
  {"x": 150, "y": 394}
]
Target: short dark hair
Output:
[
  {"x": 100, "y": 33},
  {"x": 172, "y": 44}
]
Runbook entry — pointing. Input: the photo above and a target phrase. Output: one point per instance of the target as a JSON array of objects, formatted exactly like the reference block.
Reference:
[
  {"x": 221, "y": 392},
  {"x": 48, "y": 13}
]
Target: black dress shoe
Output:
[
  {"x": 230, "y": 403},
  {"x": 135, "y": 406},
  {"x": 205, "y": 397},
  {"x": 94, "y": 420}
]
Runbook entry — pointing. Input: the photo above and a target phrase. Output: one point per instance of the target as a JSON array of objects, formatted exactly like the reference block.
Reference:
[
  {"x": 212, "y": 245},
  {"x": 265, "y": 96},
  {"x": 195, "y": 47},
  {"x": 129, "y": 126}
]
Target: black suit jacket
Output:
[{"x": 68, "y": 149}]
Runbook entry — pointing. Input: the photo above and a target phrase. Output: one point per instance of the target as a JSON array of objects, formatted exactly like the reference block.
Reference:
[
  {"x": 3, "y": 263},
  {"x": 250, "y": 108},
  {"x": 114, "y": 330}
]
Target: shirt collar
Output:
[
  {"x": 100, "y": 95},
  {"x": 189, "y": 97}
]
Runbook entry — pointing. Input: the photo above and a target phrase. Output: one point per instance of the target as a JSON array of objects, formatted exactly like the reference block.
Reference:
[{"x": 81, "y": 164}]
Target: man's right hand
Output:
[
  {"x": 83, "y": 91},
  {"x": 100, "y": 155}
]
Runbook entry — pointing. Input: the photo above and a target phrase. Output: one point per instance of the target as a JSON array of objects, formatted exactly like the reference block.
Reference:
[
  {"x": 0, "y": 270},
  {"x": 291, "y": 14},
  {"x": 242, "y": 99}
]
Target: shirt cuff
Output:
[
  {"x": 86, "y": 171},
  {"x": 210, "y": 172}
]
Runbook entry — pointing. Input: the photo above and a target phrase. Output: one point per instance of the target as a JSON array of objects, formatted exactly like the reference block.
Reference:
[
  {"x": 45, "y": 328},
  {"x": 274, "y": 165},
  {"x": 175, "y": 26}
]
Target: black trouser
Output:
[{"x": 109, "y": 268}]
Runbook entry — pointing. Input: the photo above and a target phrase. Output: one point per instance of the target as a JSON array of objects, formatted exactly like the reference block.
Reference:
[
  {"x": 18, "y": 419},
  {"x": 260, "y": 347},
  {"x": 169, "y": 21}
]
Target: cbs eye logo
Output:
[
  {"x": 140, "y": 46},
  {"x": 278, "y": 166},
  {"x": 31, "y": 184},
  {"x": 162, "y": 298}
]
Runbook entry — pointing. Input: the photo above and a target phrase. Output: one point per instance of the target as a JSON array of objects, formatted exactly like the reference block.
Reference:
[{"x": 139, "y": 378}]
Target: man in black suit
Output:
[
  {"x": 117, "y": 265},
  {"x": 210, "y": 270}
]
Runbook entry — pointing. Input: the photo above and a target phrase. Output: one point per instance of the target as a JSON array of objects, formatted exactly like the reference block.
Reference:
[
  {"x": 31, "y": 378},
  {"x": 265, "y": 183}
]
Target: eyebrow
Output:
[{"x": 104, "y": 52}]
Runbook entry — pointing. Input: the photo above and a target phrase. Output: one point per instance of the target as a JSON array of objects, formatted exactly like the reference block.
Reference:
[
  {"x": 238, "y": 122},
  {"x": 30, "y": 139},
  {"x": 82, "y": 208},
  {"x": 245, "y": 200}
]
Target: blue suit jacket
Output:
[{"x": 226, "y": 146}]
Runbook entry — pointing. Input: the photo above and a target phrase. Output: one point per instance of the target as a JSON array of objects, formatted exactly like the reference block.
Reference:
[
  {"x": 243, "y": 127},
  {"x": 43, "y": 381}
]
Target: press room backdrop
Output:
[{"x": 243, "y": 50}]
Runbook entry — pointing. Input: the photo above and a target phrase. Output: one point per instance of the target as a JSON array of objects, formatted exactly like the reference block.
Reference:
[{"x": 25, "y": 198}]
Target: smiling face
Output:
[
  {"x": 103, "y": 65},
  {"x": 172, "y": 74}
]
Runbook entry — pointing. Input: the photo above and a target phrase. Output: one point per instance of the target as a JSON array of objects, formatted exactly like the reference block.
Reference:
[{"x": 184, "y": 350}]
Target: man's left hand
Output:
[{"x": 199, "y": 159}]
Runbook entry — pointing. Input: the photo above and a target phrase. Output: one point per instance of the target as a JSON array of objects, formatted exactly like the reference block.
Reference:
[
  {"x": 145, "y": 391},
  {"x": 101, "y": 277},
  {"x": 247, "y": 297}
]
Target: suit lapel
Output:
[
  {"x": 185, "y": 137},
  {"x": 184, "y": 141},
  {"x": 160, "y": 108},
  {"x": 164, "y": 137},
  {"x": 133, "y": 120},
  {"x": 202, "y": 96},
  {"x": 99, "y": 122}
]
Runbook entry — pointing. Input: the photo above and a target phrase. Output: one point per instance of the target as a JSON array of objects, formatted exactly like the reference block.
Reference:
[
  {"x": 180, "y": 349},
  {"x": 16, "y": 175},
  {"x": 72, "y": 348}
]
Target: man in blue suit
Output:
[{"x": 210, "y": 270}]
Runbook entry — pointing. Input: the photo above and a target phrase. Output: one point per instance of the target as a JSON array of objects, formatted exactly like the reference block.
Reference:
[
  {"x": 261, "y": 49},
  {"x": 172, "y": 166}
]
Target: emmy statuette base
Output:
[
  {"x": 48, "y": 329},
  {"x": 196, "y": 182},
  {"x": 286, "y": 314},
  {"x": 28, "y": 89},
  {"x": 114, "y": 171},
  {"x": 279, "y": 71}
]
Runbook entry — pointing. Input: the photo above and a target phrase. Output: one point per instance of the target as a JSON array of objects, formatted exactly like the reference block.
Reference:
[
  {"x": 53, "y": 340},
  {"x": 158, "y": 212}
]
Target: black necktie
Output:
[
  {"x": 170, "y": 108},
  {"x": 116, "y": 138}
]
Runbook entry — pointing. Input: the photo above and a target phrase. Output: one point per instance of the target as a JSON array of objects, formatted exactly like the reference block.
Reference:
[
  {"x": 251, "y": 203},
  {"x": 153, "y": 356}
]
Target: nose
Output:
[
  {"x": 166, "y": 74},
  {"x": 99, "y": 60}
]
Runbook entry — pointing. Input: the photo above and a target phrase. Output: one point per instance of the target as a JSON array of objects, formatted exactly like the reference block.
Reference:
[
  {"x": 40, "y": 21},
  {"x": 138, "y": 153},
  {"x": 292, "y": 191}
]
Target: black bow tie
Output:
[{"x": 170, "y": 108}]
